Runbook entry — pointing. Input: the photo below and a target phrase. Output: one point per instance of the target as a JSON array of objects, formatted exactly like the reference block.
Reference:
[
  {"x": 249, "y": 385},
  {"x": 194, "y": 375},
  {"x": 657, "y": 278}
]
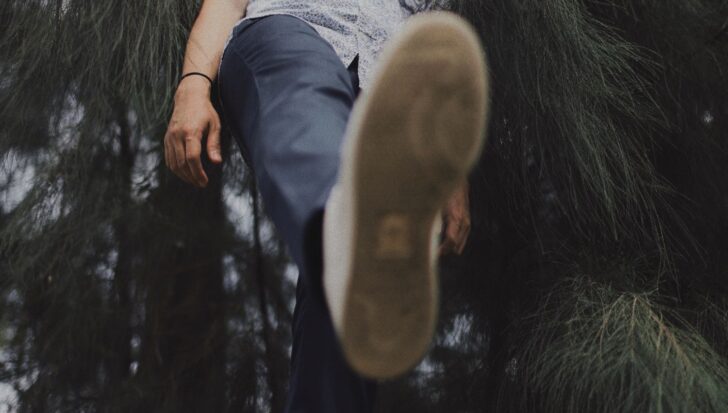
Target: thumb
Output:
[{"x": 213, "y": 142}]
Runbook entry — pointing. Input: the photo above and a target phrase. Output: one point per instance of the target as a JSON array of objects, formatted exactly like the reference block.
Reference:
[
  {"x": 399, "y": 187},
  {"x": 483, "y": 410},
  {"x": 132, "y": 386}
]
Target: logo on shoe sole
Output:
[{"x": 394, "y": 237}]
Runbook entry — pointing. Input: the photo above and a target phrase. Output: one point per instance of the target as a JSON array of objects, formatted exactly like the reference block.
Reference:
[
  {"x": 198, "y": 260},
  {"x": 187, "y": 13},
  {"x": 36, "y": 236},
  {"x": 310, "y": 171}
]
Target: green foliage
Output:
[
  {"x": 122, "y": 289},
  {"x": 597, "y": 349},
  {"x": 594, "y": 278},
  {"x": 607, "y": 151},
  {"x": 100, "y": 52},
  {"x": 574, "y": 108}
]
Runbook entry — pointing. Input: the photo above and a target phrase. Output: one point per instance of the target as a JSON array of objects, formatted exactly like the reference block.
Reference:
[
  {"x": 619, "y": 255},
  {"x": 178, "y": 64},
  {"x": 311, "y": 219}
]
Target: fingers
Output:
[
  {"x": 175, "y": 157},
  {"x": 178, "y": 155},
  {"x": 456, "y": 236},
  {"x": 213, "y": 141},
  {"x": 451, "y": 241},
  {"x": 446, "y": 247},
  {"x": 167, "y": 151},
  {"x": 447, "y": 244},
  {"x": 193, "y": 163},
  {"x": 456, "y": 216},
  {"x": 182, "y": 150},
  {"x": 183, "y": 142},
  {"x": 463, "y": 238}
]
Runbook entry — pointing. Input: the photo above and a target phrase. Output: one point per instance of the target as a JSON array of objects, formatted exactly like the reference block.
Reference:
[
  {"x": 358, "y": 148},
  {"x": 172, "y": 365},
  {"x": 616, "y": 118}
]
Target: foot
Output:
[{"x": 412, "y": 139}]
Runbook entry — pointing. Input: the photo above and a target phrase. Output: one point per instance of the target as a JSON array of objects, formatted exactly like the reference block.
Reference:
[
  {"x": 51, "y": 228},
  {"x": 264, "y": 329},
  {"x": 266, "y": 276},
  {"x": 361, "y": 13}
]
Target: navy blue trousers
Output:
[{"x": 286, "y": 98}]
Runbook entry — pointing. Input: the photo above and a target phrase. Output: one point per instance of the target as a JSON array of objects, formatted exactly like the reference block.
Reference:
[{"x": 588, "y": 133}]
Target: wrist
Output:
[
  {"x": 188, "y": 74},
  {"x": 194, "y": 85}
]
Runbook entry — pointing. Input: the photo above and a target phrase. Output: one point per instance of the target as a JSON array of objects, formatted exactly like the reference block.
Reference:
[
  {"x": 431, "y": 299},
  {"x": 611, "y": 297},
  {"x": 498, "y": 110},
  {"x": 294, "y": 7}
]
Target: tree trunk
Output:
[{"x": 182, "y": 361}]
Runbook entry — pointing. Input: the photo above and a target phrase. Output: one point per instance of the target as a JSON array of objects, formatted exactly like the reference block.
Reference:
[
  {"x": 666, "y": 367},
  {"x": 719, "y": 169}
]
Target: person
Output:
[{"x": 365, "y": 189}]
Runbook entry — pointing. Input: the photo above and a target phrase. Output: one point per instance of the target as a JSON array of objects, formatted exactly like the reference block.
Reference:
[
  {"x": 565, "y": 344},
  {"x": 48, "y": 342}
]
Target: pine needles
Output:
[
  {"x": 594, "y": 348},
  {"x": 598, "y": 159},
  {"x": 598, "y": 272}
]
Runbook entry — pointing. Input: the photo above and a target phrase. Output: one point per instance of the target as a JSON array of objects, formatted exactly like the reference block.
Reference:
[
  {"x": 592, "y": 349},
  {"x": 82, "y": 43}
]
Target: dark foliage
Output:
[{"x": 594, "y": 278}]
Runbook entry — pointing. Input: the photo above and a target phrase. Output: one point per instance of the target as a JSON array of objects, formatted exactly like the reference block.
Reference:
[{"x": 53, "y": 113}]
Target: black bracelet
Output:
[{"x": 195, "y": 73}]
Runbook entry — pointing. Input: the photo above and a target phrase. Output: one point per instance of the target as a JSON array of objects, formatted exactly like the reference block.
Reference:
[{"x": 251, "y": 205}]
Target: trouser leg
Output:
[{"x": 287, "y": 97}]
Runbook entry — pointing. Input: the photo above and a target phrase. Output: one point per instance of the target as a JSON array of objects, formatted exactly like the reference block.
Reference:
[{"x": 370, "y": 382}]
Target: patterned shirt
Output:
[{"x": 352, "y": 27}]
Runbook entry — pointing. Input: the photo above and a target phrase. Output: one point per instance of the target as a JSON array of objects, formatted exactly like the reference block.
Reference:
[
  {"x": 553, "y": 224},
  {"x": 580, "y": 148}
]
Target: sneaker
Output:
[{"x": 412, "y": 138}]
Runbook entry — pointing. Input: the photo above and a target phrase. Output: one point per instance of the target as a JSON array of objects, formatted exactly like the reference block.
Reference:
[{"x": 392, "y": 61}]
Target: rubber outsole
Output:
[{"x": 412, "y": 139}]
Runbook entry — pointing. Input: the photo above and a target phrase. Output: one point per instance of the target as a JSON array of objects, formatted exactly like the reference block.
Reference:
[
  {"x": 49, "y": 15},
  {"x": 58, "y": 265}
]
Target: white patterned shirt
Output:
[{"x": 352, "y": 27}]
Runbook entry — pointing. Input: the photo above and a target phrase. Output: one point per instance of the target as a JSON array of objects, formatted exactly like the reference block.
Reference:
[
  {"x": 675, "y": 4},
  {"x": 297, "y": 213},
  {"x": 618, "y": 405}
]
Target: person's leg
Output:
[{"x": 286, "y": 98}]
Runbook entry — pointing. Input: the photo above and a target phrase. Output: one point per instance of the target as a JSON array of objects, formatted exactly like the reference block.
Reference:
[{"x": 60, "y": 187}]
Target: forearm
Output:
[{"x": 207, "y": 38}]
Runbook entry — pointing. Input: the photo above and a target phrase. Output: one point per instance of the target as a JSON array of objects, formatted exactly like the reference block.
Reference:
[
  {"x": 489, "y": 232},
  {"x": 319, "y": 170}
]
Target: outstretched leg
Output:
[{"x": 286, "y": 97}]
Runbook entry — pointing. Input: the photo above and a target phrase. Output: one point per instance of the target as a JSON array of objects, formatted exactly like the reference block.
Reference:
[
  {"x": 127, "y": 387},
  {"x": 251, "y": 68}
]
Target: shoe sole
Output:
[{"x": 419, "y": 131}]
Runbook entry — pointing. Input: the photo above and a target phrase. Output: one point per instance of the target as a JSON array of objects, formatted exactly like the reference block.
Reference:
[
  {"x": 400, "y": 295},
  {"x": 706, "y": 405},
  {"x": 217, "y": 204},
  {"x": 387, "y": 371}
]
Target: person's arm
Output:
[{"x": 193, "y": 113}]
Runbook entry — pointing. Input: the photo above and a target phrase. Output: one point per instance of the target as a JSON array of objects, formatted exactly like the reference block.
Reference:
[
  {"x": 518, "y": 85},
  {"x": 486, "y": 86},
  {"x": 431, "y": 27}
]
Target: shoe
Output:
[{"x": 411, "y": 140}]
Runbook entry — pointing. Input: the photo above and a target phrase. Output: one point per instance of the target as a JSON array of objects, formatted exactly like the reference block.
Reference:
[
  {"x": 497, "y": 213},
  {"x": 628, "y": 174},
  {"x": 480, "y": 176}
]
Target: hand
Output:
[
  {"x": 192, "y": 117},
  {"x": 456, "y": 221}
]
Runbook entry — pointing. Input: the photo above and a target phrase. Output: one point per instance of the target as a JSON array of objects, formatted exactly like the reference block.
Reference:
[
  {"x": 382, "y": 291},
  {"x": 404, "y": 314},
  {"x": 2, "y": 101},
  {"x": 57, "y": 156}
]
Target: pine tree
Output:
[
  {"x": 121, "y": 285},
  {"x": 594, "y": 278}
]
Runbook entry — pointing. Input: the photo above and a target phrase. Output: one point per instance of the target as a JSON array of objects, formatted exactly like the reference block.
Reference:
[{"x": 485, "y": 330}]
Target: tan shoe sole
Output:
[{"x": 411, "y": 139}]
